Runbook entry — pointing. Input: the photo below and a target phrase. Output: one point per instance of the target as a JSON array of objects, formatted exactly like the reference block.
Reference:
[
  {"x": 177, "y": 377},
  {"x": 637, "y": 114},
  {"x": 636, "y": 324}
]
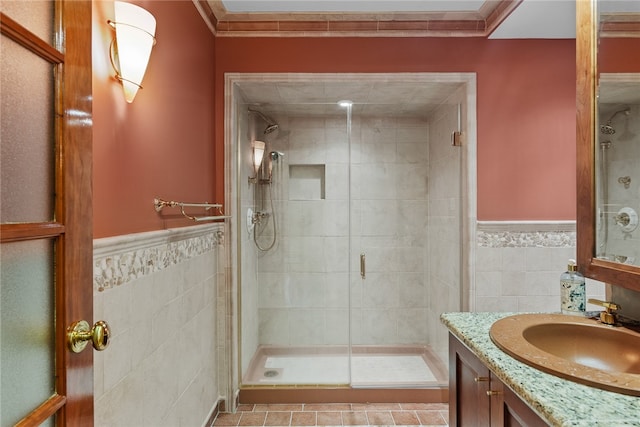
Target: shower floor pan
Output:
[{"x": 371, "y": 366}]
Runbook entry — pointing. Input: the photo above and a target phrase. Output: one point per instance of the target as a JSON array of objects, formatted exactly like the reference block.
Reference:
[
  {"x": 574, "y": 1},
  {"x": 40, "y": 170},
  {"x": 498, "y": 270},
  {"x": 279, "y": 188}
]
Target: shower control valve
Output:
[
  {"x": 259, "y": 216},
  {"x": 627, "y": 219},
  {"x": 625, "y": 180}
]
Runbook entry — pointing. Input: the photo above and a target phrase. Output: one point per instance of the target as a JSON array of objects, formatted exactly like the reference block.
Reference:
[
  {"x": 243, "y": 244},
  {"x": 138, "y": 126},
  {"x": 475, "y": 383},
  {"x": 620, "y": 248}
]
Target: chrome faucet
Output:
[{"x": 608, "y": 317}]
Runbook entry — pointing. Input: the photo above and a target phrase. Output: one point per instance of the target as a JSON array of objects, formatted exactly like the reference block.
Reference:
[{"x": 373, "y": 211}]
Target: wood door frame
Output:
[
  {"x": 76, "y": 209},
  {"x": 72, "y": 226}
]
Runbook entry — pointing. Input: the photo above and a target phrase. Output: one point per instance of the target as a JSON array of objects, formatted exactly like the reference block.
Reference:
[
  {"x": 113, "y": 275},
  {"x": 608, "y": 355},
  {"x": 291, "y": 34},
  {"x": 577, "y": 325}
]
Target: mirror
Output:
[
  {"x": 608, "y": 140},
  {"x": 618, "y": 132}
]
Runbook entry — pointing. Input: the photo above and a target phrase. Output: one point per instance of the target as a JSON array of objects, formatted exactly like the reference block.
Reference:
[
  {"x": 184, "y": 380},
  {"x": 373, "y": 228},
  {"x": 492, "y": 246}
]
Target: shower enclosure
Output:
[
  {"x": 616, "y": 156},
  {"x": 363, "y": 214}
]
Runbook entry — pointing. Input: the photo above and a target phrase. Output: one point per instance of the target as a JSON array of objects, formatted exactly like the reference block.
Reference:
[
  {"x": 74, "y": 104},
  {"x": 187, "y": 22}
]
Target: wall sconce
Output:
[
  {"x": 135, "y": 36},
  {"x": 456, "y": 136},
  {"x": 258, "y": 155}
]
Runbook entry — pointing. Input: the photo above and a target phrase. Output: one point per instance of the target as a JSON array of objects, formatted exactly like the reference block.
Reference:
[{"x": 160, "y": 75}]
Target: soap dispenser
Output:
[{"x": 573, "y": 294}]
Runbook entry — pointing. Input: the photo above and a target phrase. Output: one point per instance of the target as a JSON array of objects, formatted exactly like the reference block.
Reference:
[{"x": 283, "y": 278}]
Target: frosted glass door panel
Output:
[
  {"x": 35, "y": 15},
  {"x": 26, "y": 331},
  {"x": 27, "y": 135}
]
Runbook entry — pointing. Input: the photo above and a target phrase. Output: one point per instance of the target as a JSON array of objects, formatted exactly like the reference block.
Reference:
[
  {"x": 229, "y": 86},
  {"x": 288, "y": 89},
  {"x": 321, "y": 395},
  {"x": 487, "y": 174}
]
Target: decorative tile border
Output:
[
  {"x": 121, "y": 259},
  {"x": 526, "y": 234}
]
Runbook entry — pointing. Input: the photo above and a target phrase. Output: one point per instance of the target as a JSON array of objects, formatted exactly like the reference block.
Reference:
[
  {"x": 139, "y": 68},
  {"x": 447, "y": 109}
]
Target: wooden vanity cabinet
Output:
[
  {"x": 468, "y": 385},
  {"x": 478, "y": 398}
]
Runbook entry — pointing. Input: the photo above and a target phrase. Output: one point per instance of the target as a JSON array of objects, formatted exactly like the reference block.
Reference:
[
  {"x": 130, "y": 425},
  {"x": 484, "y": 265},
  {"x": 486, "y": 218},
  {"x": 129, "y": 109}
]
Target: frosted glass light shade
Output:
[
  {"x": 258, "y": 154},
  {"x": 135, "y": 36}
]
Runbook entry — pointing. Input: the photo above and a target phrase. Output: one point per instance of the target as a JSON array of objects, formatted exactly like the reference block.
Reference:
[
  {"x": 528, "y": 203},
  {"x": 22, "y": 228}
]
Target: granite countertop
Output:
[{"x": 559, "y": 402}]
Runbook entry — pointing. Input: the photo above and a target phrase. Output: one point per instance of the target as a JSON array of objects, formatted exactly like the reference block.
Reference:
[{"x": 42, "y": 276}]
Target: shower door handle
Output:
[{"x": 362, "y": 266}]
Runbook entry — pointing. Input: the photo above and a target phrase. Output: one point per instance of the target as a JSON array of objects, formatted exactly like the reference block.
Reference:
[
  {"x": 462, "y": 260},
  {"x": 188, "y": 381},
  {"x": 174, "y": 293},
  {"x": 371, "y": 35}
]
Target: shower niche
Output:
[
  {"x": 306, "y": 182},
  {"x": 368, "y": 205}
]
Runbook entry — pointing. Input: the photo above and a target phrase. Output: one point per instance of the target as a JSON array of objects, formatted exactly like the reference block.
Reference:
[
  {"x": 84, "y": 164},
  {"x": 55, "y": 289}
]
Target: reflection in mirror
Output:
[{"x": 617, "y": 136}]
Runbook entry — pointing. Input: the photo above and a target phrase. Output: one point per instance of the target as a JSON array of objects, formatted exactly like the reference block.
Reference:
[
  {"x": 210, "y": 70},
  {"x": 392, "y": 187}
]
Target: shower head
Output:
[
  {"x": 270, "y": 128},
  {"x": 271, "y": 124},
  {"x": 607, "y": 129}
]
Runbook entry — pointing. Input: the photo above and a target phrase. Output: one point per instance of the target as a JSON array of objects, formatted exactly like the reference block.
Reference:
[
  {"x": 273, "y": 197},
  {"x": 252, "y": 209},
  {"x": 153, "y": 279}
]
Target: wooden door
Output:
[{"x": 45, "y": 211}]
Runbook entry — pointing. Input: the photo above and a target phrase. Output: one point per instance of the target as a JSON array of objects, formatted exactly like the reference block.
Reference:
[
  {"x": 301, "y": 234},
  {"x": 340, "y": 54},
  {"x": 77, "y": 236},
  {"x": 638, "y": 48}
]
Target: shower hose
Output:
[{"x": 273, "y": 218}]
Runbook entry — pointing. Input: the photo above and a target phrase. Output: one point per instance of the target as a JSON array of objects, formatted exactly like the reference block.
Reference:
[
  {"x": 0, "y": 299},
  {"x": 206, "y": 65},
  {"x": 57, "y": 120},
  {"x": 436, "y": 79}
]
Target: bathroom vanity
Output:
[
  {"x": 479, "y": 397},
  {"x": 490, "y": 388}
]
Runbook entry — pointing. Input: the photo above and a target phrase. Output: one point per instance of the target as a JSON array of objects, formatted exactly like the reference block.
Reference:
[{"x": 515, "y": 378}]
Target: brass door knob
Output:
[{"x": 80, "y": 333}]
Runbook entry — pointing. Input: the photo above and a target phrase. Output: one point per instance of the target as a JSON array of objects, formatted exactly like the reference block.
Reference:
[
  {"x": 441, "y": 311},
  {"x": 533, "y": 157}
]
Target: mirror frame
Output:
[{"x": 626, "y": 276}]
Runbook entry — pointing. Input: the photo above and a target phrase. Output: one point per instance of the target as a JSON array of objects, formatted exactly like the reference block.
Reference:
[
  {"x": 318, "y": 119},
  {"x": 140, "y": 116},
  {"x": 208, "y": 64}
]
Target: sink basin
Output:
[{"x": 575, "y": 348}]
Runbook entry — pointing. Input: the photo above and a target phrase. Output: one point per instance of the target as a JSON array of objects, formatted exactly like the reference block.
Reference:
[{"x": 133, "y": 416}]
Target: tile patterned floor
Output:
[{"x": 338, "y": 414}]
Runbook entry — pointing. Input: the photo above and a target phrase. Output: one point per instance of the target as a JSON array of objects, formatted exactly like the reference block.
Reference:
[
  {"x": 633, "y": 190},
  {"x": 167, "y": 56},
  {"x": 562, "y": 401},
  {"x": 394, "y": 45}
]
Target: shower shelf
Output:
[
  {"x": 307, "y": 182},
  {"x": 160, "y": 204}
]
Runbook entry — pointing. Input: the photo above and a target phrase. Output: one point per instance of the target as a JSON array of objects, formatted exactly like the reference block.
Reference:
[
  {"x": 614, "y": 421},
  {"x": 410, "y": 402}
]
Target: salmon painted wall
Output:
[
  {"x": 162, "y": 143},
  {"x": 619, "y": 55},
  {"x": 526, "y": 105}
]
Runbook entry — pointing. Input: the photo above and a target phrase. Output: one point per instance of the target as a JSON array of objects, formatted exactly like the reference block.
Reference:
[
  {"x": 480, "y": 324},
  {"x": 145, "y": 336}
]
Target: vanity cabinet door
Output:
[
  {"x": 478, "y": 398},
  {"x": 508, "y": 410},
  {"x": 469, "y": 380}
]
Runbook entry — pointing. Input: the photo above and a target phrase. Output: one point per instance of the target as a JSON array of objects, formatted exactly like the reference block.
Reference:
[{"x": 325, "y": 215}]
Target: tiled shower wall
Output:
[
  {"x": 158, "y": 293},
  {"x": 303, "y": 290},
  {"x": 304, "y": 280}
]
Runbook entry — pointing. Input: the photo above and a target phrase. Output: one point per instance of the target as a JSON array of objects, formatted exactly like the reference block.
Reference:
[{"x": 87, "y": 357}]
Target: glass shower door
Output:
[
  {"x": 318, "y": 234},
  {"x": 391, "y": 258}
]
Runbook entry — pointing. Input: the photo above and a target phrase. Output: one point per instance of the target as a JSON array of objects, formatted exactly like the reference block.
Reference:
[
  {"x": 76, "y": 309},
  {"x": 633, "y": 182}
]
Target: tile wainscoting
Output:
[
  {"x": 167, "y": 299},
  {"x": 518, "y": 265},
  {"x": 163, "y": 294}
]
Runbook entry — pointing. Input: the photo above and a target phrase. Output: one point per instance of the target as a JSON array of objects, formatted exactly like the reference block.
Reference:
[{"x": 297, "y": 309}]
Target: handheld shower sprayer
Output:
[
  {"x": 276, "y": 155},
  {"x": 260, "y": 217}
]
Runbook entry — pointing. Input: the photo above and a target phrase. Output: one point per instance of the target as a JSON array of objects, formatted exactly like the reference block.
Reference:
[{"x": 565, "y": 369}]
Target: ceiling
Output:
[
  {"x": 539, "y": 19},
  {"x": 376, "y": 97},
  {"x": 496, "y": 19}
]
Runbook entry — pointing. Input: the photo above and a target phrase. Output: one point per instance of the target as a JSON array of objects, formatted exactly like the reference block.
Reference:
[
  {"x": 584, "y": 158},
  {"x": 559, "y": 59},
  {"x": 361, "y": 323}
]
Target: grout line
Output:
[{"x": 367, "y": 410}]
